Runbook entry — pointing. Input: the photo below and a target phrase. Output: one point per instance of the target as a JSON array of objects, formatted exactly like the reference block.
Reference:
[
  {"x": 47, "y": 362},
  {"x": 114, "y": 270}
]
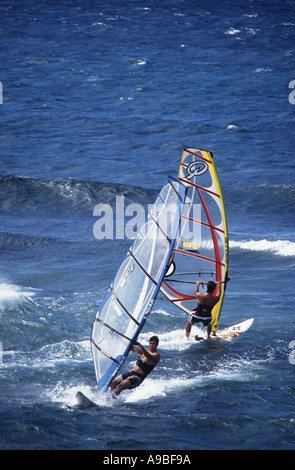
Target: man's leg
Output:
[
  {"x": 188, "y": 328},
  {"x": 126, "y": 384},
  {"x": 209, "y": 329}
]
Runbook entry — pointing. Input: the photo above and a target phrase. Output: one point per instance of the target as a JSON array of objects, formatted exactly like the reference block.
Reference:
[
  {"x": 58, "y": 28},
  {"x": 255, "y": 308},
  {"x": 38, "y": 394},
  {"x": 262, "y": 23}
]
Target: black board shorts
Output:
[
  {"x": 135, "y": 378},
  {"x": 201, "y": 314},
  {"x": 196, "y": 318}
]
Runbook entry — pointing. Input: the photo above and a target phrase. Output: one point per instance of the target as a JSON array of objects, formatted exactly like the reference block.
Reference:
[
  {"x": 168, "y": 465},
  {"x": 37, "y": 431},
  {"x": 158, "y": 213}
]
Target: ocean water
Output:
[{"x": 98, "y": 100}]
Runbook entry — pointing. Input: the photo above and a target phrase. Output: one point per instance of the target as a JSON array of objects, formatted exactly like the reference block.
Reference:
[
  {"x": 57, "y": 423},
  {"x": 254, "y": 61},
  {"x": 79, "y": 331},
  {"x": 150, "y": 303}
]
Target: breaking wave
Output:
[{"x": 277, "y": 247}]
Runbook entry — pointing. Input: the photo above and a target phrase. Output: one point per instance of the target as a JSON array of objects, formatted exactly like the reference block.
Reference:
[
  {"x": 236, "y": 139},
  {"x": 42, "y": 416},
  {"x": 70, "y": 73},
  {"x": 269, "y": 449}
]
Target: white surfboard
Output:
[
  {"x": 84, "y": 402},
  {"x": 230, "y": 332}
]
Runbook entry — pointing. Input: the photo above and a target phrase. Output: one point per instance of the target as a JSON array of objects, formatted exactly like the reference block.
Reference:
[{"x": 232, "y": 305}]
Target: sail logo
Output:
[
  {"x": 196, "y": 169},
  {"x": 292, "y": 93},
  {"x": 149, "y": 308},
  {"x": 189, "y": 246},
  {"x": 126, "y": 274}
]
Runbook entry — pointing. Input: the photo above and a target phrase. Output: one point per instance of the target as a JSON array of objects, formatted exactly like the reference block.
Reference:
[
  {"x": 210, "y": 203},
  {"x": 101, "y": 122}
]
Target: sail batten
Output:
[
  {"x": 200, "y": 187},
  {"x": 142, "y": 268},
  {"x": 122, "y": 306},
  {"x": 202, "y": 223}
]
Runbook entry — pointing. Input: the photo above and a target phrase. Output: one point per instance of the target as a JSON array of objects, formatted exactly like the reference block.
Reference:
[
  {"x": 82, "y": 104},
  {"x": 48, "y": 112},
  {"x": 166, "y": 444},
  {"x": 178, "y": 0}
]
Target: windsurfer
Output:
[
  {"x": 203, "y": 311},
  {"x": 145, "y": 364}
]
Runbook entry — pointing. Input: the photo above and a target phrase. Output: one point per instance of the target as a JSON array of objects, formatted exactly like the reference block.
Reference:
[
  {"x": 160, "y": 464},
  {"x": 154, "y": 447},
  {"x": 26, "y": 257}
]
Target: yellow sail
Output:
[{"x": 201, "y": 252}]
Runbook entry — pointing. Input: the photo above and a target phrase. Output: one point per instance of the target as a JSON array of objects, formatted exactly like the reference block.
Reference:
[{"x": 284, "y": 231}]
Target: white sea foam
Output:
[
  {"x": 161, "y": 311},
  {"x": 232, "y": 31},
  {"x": 278, "y": 247},
  {"x": 173, "y": 340},
  {"x": 49, "y": 356},
  {"x": 159, "y": 388},
  {"x": 261, "y": 69},
  {"x": 242, "y": 371},
  {"x": 66, "y": 395},
  {"x": 13, "y": 293}
]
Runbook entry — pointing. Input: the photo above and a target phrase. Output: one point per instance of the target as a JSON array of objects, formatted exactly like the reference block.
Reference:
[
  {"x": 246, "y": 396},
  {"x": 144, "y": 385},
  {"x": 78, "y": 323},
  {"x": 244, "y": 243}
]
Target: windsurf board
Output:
[
  {"x": 84, "y": 402},
  {"x": 230, "y": 332}
]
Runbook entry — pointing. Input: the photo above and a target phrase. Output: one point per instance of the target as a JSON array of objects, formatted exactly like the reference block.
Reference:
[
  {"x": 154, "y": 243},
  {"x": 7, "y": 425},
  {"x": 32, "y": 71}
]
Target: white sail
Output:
[{"x": 131, "y": 295}]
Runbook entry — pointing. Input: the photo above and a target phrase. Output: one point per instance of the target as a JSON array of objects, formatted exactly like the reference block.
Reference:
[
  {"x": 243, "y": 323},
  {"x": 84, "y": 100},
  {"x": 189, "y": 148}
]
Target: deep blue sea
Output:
[{"x": 99, "y": 98}]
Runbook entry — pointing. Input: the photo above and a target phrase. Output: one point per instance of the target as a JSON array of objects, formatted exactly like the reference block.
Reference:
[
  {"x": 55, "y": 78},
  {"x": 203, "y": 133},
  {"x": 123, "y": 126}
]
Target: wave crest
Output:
[{"x": 278, "y": 247}]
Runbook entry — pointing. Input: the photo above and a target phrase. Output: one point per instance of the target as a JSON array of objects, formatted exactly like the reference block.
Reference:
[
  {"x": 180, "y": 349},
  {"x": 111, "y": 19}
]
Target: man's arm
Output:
[
  {"x": 197, "y": 288},
  {"x": 136, "y": 347},
  {"x": 198, "y": 294},
  {"x": 218, "y": 290},
  {"x": 140, "y": 349}
]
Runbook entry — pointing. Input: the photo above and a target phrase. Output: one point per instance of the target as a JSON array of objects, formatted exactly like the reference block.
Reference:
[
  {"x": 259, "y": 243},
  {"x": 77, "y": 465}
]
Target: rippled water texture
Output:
[{"x": 99, "y": 100}]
